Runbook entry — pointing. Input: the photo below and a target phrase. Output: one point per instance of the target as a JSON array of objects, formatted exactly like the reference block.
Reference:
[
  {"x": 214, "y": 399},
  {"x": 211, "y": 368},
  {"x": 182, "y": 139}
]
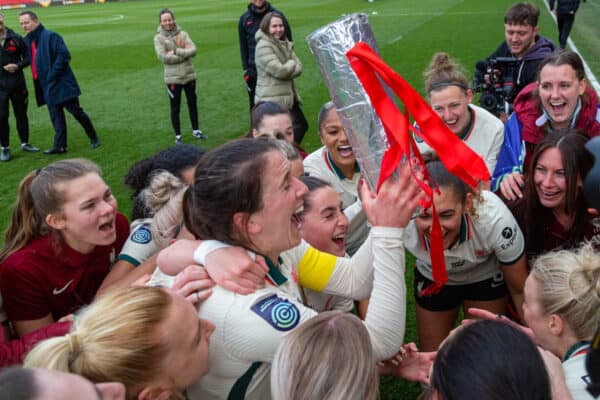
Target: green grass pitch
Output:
[{"x": 123, "y": 91}]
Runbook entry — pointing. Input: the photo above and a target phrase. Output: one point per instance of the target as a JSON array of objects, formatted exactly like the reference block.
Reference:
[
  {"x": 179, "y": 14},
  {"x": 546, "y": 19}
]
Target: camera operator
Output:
[{"x": 523, "y": 43}]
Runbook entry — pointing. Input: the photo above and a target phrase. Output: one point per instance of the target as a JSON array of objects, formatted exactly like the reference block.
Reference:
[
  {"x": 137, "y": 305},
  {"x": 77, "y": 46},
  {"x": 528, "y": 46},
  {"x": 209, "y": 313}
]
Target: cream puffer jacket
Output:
[
  {"x": 277, "y": 65},
  {"x": 178, "y": 67}
]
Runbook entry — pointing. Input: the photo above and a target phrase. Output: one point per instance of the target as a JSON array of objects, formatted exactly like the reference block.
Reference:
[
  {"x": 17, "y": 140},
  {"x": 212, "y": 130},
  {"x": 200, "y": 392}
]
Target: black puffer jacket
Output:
[{"x": 14, "y": 51}]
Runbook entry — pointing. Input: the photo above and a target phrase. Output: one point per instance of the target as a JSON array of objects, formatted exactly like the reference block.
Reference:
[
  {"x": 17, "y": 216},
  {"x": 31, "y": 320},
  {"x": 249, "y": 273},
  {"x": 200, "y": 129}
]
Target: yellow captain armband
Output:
[{"x": 315, "y": 269}]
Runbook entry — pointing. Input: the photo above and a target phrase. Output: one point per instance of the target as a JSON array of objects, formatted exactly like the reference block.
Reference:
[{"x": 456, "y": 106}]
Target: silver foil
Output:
[{"x": 364, "y": 129}]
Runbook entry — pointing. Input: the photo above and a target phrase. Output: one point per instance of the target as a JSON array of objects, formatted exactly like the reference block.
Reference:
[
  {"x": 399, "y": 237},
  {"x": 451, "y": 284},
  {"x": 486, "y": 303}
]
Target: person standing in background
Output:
[
  {"x": 13, "y": 58},
  {"x": 277, "y": 66},
  {"x": 175, "y": 49},
  {"x": 54, "y": 81},
  {"x": 565, "y": 16},
  {"x": 247, "y": 27}
]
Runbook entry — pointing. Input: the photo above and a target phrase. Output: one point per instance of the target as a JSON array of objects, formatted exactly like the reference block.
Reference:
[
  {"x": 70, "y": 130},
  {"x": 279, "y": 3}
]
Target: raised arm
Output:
[
  {"x": 230, "y": 266},
  {"x": 507, "y": 176}
]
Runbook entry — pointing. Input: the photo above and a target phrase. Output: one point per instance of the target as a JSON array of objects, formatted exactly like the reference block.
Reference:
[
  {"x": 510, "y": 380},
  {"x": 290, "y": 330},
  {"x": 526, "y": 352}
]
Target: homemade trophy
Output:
[
  {"x": 378, "y": 131},
  {"x": 362, "y": 125}
]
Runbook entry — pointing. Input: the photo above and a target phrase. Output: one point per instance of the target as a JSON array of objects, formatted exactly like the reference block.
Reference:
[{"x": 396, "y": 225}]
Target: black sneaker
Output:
[
  {"x": 29, "y": 148},
  {"x": 5, "y": 154},
  {"x": 56, "y": 150},
  {"x": 94, "y": 144}
]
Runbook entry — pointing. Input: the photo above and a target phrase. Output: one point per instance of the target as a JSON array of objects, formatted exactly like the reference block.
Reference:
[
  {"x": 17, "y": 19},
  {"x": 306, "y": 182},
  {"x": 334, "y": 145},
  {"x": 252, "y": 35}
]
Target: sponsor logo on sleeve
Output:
[
  {"x": 279, "y": 313},
  {"x": 142, "y": 235},
  {"x": 509, "y": 234}
]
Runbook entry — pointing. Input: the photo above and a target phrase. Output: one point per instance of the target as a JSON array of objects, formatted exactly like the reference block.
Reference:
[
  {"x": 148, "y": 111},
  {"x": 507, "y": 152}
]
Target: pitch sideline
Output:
[{"x": 588, "y": 72}]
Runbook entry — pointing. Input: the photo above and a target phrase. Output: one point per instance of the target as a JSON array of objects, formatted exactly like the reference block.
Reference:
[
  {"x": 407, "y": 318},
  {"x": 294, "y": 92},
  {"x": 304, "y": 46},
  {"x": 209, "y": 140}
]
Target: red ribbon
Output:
[{"x": 456, "y": 156}]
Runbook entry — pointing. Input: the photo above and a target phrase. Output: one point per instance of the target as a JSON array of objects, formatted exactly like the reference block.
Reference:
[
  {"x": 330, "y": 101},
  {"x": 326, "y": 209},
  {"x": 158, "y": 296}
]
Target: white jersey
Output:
[
  {"x": 320, "y": 301},
  {"x": 576, "y": 375},
  {"x": 320, "y": 165},
  {"x": 484, "y": 136},
  {"x": 490, "y": 238},
  {"x": 139, "y": 246},
  {"x": 249, "y": 328},
  {"x": 326, "y": 302}
]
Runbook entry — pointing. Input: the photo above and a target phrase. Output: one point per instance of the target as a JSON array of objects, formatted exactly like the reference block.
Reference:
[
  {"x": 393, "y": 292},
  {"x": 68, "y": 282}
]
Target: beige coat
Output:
[
  {"x": 277, "y": 66},
  {"x": 178, "y": 67}
]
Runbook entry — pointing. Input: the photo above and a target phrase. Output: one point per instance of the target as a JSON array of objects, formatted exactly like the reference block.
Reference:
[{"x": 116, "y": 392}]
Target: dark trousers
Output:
[
  {"x": 57, "y": 116},
  {"x": 565, "y": 23},
  {"x": 251, "y": 86},
  {"x": 299, "y": 122},
  {"x": 18, "y": 98},
  {"x": 174, "y": 91}
]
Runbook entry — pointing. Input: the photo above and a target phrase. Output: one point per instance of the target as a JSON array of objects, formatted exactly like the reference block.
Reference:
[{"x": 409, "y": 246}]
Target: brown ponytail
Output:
[{"x": 40, "y": 195}]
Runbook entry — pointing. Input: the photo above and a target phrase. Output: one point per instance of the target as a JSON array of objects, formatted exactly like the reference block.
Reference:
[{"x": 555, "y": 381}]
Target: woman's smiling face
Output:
[
  {"x": 275, "y": 228},
  {"x": 559, "y": 90},
  {"x": 333, "y": 137},
  {"x": 452, "y": 105},
  {"x": 449, "y": 210},
  {"x": 550, "y": 179},
  {"x": 324, "y": 224}
]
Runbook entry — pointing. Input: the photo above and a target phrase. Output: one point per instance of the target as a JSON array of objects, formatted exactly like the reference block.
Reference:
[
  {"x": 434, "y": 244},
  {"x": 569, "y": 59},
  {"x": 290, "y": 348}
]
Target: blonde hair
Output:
[
  {"x": 328, "y": 357},
  {"x": 443, "y": 72},
  {"x": 570, "y": 287},
  {"x": 115, "y": 339},
  {"x": 164, "y": 197},
  {"x": 41, "y": 193}
]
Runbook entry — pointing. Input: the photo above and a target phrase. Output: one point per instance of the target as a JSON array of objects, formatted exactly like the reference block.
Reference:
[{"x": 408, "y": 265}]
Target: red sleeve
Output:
[
  {"x": 122, "y": 226},
  {"x": 14, "y": 351},
  {"x": 23, "y": 294}
]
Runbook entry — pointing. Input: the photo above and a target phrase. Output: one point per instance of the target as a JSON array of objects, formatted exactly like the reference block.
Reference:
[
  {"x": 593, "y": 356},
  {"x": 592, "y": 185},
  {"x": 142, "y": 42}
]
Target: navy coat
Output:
[{"x": 56, "y": 82}]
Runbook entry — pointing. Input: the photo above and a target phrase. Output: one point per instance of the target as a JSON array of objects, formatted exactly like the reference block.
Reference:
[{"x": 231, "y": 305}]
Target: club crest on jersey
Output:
[
  {"x": 142, "y": 235},
  {"x": 279, "y": 313}
]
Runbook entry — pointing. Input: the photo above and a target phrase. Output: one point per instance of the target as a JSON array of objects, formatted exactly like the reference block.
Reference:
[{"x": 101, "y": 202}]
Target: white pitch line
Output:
[
  {"x": 396, "y": 39},
  {"x": 591, "y": 78}
]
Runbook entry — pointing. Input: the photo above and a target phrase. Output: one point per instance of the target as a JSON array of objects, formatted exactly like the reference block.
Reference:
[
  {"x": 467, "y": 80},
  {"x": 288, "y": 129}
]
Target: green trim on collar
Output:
[
  {"x": 463, "y": 235},
  {"x": 274, "y": 273},
  {"x": 467, "y": 130},
  {"x": 577, "y": 347},
  {"x": 337, "y": 169}
]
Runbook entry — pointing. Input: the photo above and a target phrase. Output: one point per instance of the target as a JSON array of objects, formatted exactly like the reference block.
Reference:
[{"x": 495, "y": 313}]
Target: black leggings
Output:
[
  {"x": 174, "y": 91},
  {"x": 565, "y": 23}
]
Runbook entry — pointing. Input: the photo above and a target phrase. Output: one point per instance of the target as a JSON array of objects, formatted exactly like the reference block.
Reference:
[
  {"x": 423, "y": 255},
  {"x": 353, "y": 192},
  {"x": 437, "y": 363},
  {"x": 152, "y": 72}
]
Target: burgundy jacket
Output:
[{"x": 14, "y": 351}]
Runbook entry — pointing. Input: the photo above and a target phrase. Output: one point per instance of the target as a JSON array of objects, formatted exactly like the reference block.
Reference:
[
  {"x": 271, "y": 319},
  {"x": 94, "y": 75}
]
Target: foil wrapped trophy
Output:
[
  {"x": 364, "y": 129},
  {"x": 355, "y": 75}
]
